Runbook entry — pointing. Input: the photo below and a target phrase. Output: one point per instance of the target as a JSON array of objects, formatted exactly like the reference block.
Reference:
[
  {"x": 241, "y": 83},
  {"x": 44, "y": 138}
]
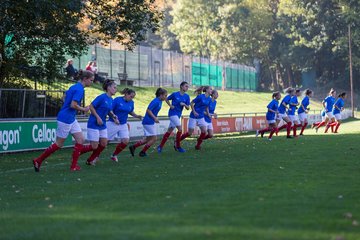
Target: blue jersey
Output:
[
  {"x": 285, "y": 100},
  {"x": 201, "y": 102},
  {"x": 154, "y": 107},
  {"x": 122, "y": 108},
  {"x": 329, "y": 103},
  {"x": 212, "y": 107},
  {"x": 305, "y": 102},
  {"x": 273, "y": 105},
  {"x": 102, "y": 105},
  {"x": 340, "y": 104},
  {"x": 176, "y": 98},
  {"x": 292, "y": 108},
  {"x": 74, "y": 93}
]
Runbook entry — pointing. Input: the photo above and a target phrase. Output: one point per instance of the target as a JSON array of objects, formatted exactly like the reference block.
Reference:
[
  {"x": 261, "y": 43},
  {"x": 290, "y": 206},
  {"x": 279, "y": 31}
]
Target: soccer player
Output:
[
  {"x": 211, "y": 114},
  {"x": 338, "y": 107},
  {"x": 199, "y": 106},
  {"x": 303, "y": 110},
  {"x": 179, "y": 100},
  {"x": 122, "y": 107},
  {"x": 271, "y": 116},
  {"x": 96, "y": 128},
  {"x": 282, "y": 112},
  {"x": 149, "y": 123},
  {"x": 328, "y": 104},
  {"x": 292, "y": 110},
  {"x": 67, "y": 123}
]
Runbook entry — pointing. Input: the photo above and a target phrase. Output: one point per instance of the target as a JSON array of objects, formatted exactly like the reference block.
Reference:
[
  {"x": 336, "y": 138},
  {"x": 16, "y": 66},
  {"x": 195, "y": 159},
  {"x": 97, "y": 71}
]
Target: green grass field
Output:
[{"x": 236, "y": 187}]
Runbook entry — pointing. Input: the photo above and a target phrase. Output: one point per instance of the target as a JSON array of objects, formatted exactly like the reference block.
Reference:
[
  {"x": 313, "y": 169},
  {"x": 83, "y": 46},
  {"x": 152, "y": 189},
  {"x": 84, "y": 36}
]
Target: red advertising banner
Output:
[{"x": 232, "y": 124}]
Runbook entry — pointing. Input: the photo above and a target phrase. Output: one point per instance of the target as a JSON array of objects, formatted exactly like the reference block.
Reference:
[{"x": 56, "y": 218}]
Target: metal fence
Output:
[
  {"x": 147, "y": 66},
  {"x": 27, "y": 103}
]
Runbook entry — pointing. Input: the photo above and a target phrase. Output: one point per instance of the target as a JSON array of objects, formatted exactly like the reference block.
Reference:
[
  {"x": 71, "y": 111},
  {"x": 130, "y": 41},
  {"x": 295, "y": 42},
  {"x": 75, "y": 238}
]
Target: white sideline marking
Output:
[{"x": 31, "y": 168}]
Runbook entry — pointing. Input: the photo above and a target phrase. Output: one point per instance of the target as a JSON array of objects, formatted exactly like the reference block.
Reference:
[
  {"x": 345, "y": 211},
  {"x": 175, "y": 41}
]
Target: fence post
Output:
[
  {"x": 139, "y": 47},
  {"x": 45, "y": 104},
  {"x": 23, "y": 105},
  {"x": 125, "y": 65},
  {"x": 162, "y": 67},
  {"x": 151, "y": 68},
  {"x": 111, "y": 75},
  {"x": 171, "y": 70}
]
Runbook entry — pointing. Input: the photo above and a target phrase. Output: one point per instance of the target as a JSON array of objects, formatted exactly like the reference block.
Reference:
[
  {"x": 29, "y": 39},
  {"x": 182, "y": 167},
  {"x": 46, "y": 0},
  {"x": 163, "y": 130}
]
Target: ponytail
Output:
[
  {"x": 83, "y": 74},
  {"x": 201, "y": 89},
  {"x": 308, "y": 92},
  {"x": 160, "y": 91},
  {"x": 107, "y": 83},
  {"x": 342, "y": 95},
  {"x": 127, "y": 91},
  {"x": 289, "y": 90},
  {"x": 214, "y": 92},
  {"x": 331, "y": 91},
  {"x": 275, "y": 94}
]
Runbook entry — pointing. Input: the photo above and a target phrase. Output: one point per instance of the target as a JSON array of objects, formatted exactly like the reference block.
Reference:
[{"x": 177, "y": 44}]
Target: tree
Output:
[
  {"x": 197, "y": 26},
  {"x": 41, "y": 32}
]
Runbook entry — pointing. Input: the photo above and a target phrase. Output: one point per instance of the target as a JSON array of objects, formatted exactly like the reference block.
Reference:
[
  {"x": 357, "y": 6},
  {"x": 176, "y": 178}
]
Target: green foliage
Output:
[
  {"x": 288, "y": 37},
  {"x": 43, "y": 32}
]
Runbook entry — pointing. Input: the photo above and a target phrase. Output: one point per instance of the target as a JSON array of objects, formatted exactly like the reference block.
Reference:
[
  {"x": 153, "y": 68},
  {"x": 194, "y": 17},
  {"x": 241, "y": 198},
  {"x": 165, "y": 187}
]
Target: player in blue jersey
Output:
[
  {"x": 303, "y": 109},
  {"x": 208, "y": 117},
  {"x": 272, "y": 107},
  {"x": 294, "y": 102},
  {"x": 122, "y": 107},
  {"x": 179, "y": 100},
  {"x": 211, "y": 114},
  {"x": 67, "y": 123},
  {"x": 328, "y": 104},
  {"x": 100, "y": 108},
  {"x": 199, "y": 106},
  {"x": 148, "y": 123},
  {"x": 337, "y": 109},
  {"x": 282, "y": 112}
]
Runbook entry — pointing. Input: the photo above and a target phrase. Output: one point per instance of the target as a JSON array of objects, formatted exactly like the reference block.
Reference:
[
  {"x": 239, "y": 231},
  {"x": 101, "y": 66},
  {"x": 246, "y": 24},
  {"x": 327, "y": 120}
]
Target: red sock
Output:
[
  {"x": 316, "y": 124},
  {"x": 288, "y": 128},
  {"x": 321, "y": 124},
  {"x": 337, "y": 127},
  {"x": 164, "y": 139},
  {"x": 185, "y": 135},
  {"x": 282, "y": 127},
  {"x": 76, "y": 154},
  {"x": 146, "y": 147},
  {"x": 200, "y": 139},
  {"x": 303, "y": 128},
  {"x": 207, "y": 137},
  {"x": 178, "y": 139},
  {"x": 274, "y": 130},
  {"x": 262, "y": 131},
  {"x": 96, "y": 153},
  {"x": 330, "y": 125},
  {"x": 295, "y": 128},
  {"x": 121, "y": 146},
  {"x": 139, "y": 143},
  {"x": 86, "y": 148},
  {"x": 51, "y": 149}
]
